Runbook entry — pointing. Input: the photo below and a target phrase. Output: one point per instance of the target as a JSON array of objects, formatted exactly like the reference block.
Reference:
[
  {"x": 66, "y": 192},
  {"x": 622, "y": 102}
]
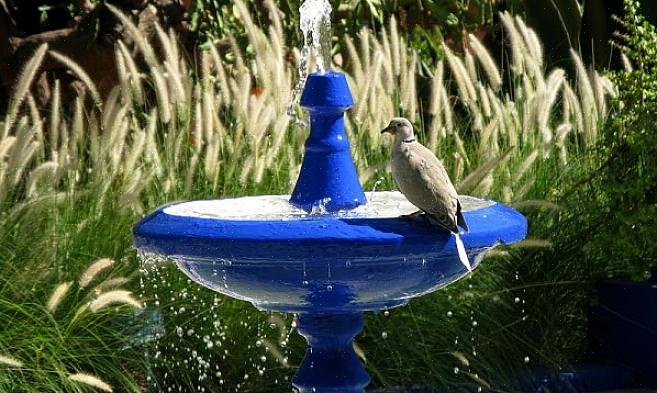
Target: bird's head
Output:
[{"x": 401, "y": 129}]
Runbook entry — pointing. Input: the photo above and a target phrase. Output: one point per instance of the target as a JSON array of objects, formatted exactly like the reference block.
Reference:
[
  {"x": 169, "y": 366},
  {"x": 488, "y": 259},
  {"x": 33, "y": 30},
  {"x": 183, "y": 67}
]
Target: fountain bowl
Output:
[{"x": 279, "y": 258}]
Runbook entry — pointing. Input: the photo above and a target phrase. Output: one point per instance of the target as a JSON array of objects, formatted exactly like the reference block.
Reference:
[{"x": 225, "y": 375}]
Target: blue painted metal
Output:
[
  {"x": 330, "y": 364},
  {"x": 328, "y": 178}
]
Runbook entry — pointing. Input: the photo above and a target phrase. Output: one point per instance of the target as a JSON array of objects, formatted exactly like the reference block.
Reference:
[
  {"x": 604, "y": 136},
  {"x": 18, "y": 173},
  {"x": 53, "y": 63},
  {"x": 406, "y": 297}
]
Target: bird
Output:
[{"x": 423, "y": 180}]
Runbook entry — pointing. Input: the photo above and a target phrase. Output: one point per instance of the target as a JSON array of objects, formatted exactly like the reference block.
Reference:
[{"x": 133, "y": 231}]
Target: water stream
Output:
[{"x": 315, "y": 23}]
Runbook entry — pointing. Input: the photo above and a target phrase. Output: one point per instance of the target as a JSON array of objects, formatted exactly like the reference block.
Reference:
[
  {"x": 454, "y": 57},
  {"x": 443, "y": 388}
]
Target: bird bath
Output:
[{"x": 325, "y": 252}]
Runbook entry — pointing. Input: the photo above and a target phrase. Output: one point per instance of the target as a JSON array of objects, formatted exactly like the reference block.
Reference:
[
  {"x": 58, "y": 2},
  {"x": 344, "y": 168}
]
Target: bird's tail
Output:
[{"x": 463, "y": 256}]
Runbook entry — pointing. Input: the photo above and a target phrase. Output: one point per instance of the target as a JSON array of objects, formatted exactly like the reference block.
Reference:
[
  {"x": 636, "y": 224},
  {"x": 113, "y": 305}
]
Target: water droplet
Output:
[
  {"x": 449, "y": 314},
  {"x": 258, "y": 343},
  {"x": 329, "y": 288},
  {"x": 516, "y": 300},
  {"x": 384, "y": 335},
  {"x": 474, "y": 323},
  {"x": 526, "y": 359},
  {"x": 386, "y": 313},
  {"x": 456, "y": 370}
]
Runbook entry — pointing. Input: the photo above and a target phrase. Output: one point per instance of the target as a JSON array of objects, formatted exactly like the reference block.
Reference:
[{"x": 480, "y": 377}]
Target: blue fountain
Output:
[{"x": 325, "y": 253}]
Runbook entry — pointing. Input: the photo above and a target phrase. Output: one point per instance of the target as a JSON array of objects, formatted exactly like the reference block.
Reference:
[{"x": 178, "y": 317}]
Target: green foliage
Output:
[{"x": 625, "y": 188}]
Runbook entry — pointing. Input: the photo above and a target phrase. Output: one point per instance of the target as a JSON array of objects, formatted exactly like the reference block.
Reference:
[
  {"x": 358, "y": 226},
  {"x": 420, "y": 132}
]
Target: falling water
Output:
[
  {"x": 315, "y": 25},
  {"x": 189, "y": 341}
]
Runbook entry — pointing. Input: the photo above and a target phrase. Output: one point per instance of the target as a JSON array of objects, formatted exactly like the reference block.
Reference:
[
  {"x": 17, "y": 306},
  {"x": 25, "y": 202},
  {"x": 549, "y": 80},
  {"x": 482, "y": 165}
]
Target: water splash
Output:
[{"x": 315, "y": 23}]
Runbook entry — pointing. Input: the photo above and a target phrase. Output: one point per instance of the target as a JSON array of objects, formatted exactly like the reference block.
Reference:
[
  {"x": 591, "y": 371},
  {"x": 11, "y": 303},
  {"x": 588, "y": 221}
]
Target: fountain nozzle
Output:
[{"x": 328, "y": 180}]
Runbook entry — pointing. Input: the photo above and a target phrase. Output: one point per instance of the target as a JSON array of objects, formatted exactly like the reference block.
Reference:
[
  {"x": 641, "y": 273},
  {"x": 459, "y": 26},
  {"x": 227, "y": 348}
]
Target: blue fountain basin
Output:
[{"x": 265, "y": 251}]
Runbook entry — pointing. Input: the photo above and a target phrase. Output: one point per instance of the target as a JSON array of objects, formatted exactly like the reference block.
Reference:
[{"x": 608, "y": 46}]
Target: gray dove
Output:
[{"x": 423, "y": 180}]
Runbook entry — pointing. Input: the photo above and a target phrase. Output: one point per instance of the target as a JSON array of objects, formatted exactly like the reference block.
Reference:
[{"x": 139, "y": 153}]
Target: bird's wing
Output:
[{"x": 437, "y": 195}]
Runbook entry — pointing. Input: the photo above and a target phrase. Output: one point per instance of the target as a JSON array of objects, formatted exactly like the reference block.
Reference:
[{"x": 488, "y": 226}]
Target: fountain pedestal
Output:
[
  {"x": 330, "y": 364},
  {"x": 328, "y": 179}
]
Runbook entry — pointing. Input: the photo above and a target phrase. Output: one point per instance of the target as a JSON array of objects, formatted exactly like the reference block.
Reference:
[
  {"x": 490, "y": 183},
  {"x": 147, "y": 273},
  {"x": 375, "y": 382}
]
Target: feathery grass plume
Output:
[
  {"x": 470, "y": 66},
  {"x": 134, "y": 155},
  {"x": 191, "y": 173},
  {"x": 93, "y": 270},
  {"x": 599, "y": 93},
  {"x": 465, "y": 86},
  {"x": 608, "y": 86},
  {"x": 524, "y": 167},
  {"x": 38, "y": 126},
  {"x": 124, "y": 79},
  {"x": 476, "y": 176},
  {"x": 575, "y": 107},
  {"x": 53, "y": 128},
  {"x": 47, "y": 171},
  {"x": 27, "y": 75},
  {"x": 627, "y": 64},
  {"x": 10, "y": 361},
  {"x": 114, "y": 297},
  {"x": 553, "y": 87},
  {"x": 485, "y": 101},
  {"x": 395, "y": 41},
  {"x": 531, "y": 41},
  {"x": 525, "y": 188},
  {"x": 81, "y": 74},
  {"x": 174, "y": 76},
  {"x": 590, "y": 110},
  {"x": 368, "y": 87},
  {"x": 356, "y": 67},
  {"x": 162, "y": 95},
  {"x": 461, "y": 358},
  {"x": 478, "y": 380},
  {"x": 359, "y": 352},
  {"x": 6, "y": 145},
  {"x": 22, "y": 152},
  {"x": 487, "y": 62},
  {"x": 136, "y": 35},
  {"x": 90, "y": 380},
  {"x": 411, "y": 97},
  {"x": 517, "y": 46},
  {"x": 110, "y": 283},
  {"x": 57, "y": 296},
  {"x": 133, "y": 72},
  {"x": 532, "y": 243},
  {"x": 538, "y": 203}
]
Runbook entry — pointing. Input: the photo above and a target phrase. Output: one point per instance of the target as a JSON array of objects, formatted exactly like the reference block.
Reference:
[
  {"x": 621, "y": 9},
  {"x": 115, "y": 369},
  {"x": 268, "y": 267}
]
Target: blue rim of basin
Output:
[{"x": 325, "y": 236}]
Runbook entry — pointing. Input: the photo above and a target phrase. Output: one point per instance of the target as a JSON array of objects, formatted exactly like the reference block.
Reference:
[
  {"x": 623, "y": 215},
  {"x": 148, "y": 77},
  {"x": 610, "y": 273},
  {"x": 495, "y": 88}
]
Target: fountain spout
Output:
[{"x": 328, "y": 178}]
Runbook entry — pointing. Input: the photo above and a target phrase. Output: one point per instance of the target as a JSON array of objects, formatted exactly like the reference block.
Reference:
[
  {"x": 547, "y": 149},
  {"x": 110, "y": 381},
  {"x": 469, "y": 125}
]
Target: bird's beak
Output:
[{"x": 387, "y": 129}]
